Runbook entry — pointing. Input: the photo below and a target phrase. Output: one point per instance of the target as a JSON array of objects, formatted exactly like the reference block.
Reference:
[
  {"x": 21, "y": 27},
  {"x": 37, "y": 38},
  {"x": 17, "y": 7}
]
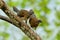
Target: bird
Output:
[
  {"x": 23, "y": 14},
  {"x": 33, "y": 21}
]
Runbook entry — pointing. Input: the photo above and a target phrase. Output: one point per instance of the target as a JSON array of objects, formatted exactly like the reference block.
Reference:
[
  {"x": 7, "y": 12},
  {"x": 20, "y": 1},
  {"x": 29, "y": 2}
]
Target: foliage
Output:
[{"x": 43, "y": 11}]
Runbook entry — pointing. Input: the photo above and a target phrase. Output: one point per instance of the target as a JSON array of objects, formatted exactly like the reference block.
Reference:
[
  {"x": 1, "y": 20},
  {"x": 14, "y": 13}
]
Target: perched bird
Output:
[
  {"x": 23, "y": 14},
  {"x": 34, "y": 22}
]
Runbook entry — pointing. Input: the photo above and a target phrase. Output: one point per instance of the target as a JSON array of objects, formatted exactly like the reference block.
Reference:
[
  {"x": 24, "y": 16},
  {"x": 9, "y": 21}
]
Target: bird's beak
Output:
[{"x": 39, "y": 21}]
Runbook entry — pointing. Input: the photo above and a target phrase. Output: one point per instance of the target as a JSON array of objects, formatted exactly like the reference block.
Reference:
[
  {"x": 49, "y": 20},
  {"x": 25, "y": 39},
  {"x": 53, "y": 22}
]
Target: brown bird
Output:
[
  {"x": 23, "y": 14},
  {"x": 34, "y": 22}
]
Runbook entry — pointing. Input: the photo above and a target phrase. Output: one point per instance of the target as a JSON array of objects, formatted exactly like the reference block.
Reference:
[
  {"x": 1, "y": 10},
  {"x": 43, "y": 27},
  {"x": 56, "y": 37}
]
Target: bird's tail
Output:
[{"x": 15, "y": 9}]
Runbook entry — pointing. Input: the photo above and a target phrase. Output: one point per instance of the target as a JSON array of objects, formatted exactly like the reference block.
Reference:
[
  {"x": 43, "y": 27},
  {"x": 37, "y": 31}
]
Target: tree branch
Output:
[
  {"x": 18, "y": 22},
  {"x": 6, "y": 19}
]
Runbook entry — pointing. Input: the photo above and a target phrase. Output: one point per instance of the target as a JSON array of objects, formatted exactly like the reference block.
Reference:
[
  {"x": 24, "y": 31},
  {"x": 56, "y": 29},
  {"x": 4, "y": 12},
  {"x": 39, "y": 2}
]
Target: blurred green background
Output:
[{"x": 46, "y": 10}]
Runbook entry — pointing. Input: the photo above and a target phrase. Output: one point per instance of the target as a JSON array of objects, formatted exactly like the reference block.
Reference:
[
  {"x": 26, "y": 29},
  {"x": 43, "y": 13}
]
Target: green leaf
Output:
[
  {"x": 44, "y": 21},
  {"x": 32, "y": 2},
  {"x": 43, "y": 3},
  {"x": 4, "y": 34},
  {"x": 37, "y": 13},
  {"x": 6, "y": 24},
  {"x": 11, "y": 3},
  {"x": 23, "y": 5},
  {"x": 25, "y": 38},
  {"x": 46, "y": 10},
  {"x": 58, "y": 3},
  {"x": 57, "y": 24},
  {"x": 58, "y": 36},
  {"x": 49, "y": 32},
  {"x": 57, "y": 14}
]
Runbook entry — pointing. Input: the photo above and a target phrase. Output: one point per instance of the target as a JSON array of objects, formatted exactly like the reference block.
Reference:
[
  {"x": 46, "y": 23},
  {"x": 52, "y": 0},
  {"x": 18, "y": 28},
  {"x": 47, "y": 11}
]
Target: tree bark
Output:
[{"x": 17, "y": 21}]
